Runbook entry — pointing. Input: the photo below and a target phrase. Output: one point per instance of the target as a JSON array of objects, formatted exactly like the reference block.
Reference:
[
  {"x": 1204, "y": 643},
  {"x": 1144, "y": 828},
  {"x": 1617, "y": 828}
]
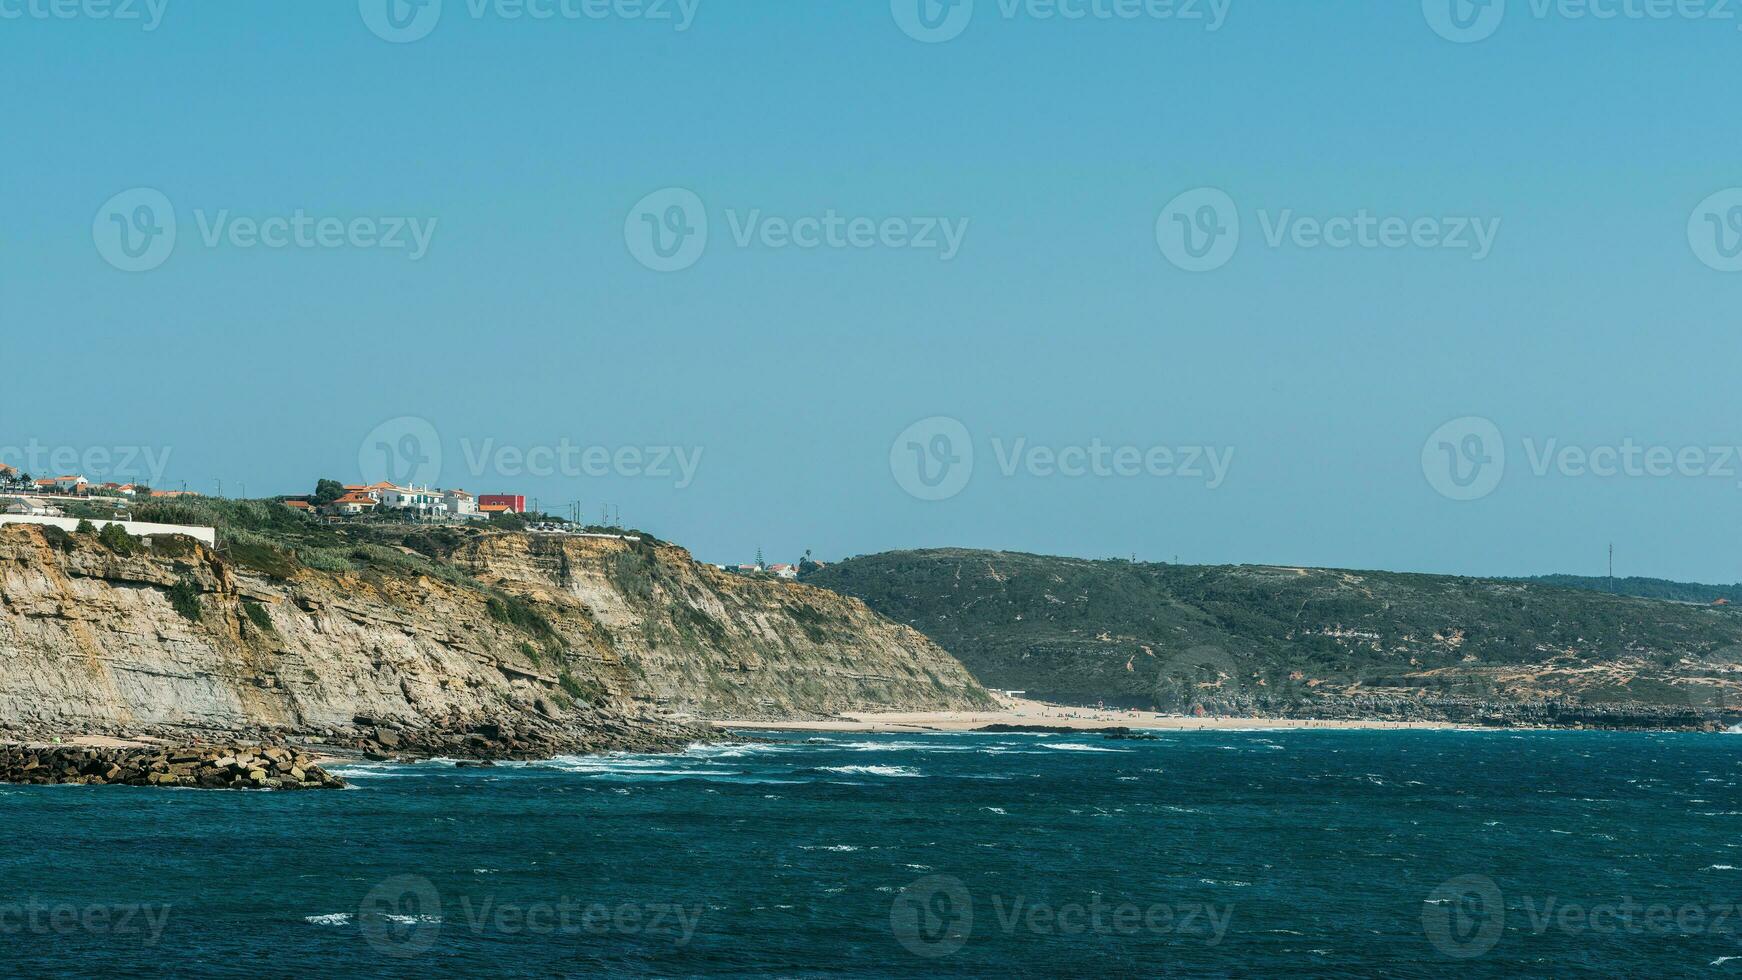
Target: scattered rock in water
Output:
[
  {"x": 199, "y": 767},
  {"x": 1127, "y": 735}
]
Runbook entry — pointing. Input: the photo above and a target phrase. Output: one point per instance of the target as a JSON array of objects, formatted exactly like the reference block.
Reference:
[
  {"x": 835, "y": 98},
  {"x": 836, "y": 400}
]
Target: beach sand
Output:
[{"x": 1017, "y": 711}]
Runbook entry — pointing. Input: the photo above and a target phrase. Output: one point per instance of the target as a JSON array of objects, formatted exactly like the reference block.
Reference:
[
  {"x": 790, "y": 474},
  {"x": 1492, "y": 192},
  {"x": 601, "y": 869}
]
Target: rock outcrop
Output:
[
  {"x": 204, "y": 767},
  {"x": 564, "y": 643}
]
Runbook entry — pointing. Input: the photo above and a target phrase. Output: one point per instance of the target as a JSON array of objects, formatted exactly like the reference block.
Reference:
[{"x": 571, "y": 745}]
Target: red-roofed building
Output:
[
  {"x": 352, "y": 504},
  {"x": 498, "y": 503}
]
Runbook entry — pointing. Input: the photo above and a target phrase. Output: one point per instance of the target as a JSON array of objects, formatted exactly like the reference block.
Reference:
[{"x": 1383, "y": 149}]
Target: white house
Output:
[
  {"x": 461, "y": 504},
  {"x": 28, "y": 506},
  {"x": 71, "y": 484},
  {"x": 427, "y": 502}
]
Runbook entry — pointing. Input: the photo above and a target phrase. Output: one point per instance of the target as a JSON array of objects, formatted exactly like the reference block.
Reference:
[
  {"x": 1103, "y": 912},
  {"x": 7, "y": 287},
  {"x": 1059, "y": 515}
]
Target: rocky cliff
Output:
[{"x": 575, "y": 643}]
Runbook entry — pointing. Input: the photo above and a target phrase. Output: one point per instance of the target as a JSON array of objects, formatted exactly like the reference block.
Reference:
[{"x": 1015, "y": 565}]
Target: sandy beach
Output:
[{"x": 1024, "y": 712}]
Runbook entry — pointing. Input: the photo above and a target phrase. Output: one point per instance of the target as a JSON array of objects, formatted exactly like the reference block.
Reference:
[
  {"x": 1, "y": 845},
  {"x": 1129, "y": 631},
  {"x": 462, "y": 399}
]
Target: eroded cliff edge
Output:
[{"x": 576, "y": 643}]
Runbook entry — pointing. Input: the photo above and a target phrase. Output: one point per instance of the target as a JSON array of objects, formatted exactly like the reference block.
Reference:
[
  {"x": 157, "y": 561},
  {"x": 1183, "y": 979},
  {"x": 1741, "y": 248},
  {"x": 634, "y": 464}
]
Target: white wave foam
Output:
[
  {"x": 368, "y": 772},
  {"x": 726, "y": 750},
  {"x": 1080, "y": 747},
  {"x": 901, "y": 747},
  {"x": 334, "y": 919},
  {"x": 873, "y": 770}
]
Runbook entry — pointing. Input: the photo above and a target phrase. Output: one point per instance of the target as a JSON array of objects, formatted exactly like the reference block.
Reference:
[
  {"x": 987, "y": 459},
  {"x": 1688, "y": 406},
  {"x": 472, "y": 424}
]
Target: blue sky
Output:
[{"x": 1054, "y": 147}]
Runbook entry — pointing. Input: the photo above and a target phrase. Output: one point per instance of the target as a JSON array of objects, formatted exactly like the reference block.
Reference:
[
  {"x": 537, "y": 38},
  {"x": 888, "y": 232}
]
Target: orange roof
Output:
[
  {"x": 494, "y": 508},
  {"x": 297, "y": 504},
  {"x": 356, "y": 498}
]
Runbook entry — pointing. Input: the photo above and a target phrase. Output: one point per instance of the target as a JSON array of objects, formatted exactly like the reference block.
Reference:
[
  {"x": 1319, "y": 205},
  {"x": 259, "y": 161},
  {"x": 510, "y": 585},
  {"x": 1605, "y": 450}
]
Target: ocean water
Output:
[{"x": 1316, "y": 853}]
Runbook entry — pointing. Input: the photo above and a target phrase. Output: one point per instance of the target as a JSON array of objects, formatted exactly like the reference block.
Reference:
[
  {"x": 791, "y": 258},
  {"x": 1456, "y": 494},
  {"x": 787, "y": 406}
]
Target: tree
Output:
[{"x": 327, "y": 491}]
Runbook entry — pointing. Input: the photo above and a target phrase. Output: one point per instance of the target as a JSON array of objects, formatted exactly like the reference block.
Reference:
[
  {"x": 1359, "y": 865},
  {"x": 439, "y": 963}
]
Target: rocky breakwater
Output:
[
  {"x": 521, "y": 738},
  {"x": 202, "y": 767}
]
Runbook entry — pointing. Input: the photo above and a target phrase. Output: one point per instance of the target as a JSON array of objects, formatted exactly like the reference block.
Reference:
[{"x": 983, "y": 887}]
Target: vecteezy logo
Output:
[
  {"x": 401, "y": 917},
  {"x": 405, "y": 452},
  {"x": 933, "y": 458},
  {"x": 668, "y": 230},
  {"x": 1465, "y": 458},
  {"x": 932, "y": 21},
  {"x": 401, "y": 21},
  {"x": 1199, "y": 230},
  {"x": 1715, "y": 230},
  {"x": 933, "y": 917},
  {"x": 135, "y": 230},
  {"x": 1464, "y": 21},
  {"x": 1464, "y": 917}
]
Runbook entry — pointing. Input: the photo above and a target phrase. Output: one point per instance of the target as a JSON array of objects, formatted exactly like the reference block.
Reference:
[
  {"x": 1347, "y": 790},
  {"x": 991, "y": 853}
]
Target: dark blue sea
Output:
[{"x": 1271, "y": 853}]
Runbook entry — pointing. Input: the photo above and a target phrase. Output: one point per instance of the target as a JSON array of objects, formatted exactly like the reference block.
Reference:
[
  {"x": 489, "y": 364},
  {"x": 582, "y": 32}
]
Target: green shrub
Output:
[
  {"x": 587, "y": 691},
  {"x": 185, "y": 597},
  {"x": 516, "y": 612},
  {"x": 58, "y": 538},
  {"x": 258, "y": 615},
  {"x": 85, "y": 527},
  {"x": 252, "y": 551},
  {"x": 116, "y": 539},
  {"x": 174, "y": 546}
]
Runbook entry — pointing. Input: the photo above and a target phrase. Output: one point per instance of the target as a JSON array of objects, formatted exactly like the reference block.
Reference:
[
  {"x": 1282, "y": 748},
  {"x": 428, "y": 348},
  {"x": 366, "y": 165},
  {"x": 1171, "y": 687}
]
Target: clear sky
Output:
[{"x": 1068, "y": 157}]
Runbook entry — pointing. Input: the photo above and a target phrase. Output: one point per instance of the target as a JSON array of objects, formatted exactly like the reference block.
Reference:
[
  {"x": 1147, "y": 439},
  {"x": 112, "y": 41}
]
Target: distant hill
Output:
[
  {"x": 1645, "y": 588},
  {"x": 1311, "y": 641}
]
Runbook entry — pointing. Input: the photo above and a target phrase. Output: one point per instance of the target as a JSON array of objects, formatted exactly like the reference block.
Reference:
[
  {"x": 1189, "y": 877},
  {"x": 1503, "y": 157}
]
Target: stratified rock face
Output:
[
  {"x": 658, "y": 626},
  {"x": 179, "y": 637}
]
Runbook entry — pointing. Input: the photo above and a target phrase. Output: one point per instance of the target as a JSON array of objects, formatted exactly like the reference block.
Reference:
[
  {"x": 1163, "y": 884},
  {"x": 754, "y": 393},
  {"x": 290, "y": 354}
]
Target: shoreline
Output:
[{"x": 1039, "y": 714}]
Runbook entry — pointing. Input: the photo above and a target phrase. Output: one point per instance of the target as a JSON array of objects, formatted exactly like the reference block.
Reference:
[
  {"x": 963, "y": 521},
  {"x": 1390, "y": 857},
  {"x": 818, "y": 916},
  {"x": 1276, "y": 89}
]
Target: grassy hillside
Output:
[
  {"x": 1300, "y": 640},
  {"x": 1645, "y": 588}
]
